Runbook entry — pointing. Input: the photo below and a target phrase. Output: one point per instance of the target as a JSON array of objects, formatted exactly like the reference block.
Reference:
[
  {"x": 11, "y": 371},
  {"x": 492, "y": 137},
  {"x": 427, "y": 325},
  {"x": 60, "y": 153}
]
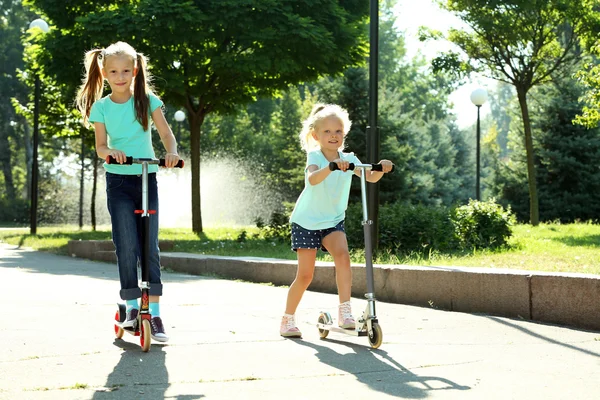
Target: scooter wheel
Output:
[
  {"x": 377, "y": 338},
  {"x": 145, "y": 339},
  {"x": 323, "y": 332},
  {"x": 118, "y": 330}
]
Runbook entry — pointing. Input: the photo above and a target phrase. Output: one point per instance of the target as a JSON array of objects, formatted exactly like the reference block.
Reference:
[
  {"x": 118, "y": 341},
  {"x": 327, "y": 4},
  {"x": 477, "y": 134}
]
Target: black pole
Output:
[
  {"x": 477, "y": 192},
  {"x": 34, "y": 164},
  {"x": 373, "y": 129},
  {"x": 81, "y": 179}
]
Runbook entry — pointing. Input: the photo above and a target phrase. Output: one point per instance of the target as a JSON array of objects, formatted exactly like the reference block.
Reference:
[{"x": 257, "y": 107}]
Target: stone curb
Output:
[{"x": 565, "y": 298}]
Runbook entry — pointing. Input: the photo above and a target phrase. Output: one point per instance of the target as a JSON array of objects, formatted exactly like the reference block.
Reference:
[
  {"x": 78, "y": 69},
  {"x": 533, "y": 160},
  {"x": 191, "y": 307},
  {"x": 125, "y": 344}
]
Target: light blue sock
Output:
[
  {"x": 132, "y": 304},
  {"x": 155, "y": 309}
]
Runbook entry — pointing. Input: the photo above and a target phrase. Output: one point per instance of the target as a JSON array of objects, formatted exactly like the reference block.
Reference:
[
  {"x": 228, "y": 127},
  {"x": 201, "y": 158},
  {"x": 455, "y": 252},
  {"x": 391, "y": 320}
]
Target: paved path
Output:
[{"x": 58, "y": 343}]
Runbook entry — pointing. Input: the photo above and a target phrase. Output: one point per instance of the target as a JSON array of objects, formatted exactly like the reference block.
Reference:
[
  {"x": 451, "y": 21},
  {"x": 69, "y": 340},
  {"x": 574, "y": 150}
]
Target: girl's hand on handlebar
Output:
[
  {"x": 171, "y": 160},
  {"x": 342, "y": 164},
  {"x": 118, "y": 155},
  {"x": 386, "y": 165}
]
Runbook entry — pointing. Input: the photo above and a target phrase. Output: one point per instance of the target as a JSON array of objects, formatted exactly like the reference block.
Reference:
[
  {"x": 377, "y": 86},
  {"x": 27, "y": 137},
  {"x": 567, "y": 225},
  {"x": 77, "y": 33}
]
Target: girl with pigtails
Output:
[
  {"x": 122, "y": 122},
  {"x": 318, "y": 217}
]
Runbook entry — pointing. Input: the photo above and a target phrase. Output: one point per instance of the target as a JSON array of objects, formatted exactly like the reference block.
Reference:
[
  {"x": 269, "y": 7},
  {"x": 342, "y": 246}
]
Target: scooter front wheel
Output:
[
  {"x": 118, "y": 330},
  {"x": 145, "y": 339},
  {"x": 376, "y": 336}
]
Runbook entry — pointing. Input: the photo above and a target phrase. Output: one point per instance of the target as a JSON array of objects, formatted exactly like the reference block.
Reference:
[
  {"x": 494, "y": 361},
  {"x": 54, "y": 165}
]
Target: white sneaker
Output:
[
  {"x": 288, "y": 327},
  {"x": 345, "y": 318}
]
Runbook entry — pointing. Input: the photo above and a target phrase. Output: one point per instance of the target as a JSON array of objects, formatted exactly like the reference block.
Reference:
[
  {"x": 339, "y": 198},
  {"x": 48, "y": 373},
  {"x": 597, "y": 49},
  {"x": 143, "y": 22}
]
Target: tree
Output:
[
  {"x": 212, "y": 55},
  {"x": 13, "y": 18},
  {"x": 523, "y": 43}
]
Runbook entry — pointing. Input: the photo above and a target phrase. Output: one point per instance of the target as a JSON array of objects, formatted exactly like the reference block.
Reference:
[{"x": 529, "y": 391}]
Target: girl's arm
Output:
[
  {"x": 166, "y": 137},
  {"x": 316, "y": 175},
  {"x": 102, "y": 147}
]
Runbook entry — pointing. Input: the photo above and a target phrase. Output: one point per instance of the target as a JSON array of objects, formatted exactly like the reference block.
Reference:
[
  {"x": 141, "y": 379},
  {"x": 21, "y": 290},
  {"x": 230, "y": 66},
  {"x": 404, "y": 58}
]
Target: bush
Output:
[
  {"x": 279, "y": 225},
  {"x": 14, "y": 211},
  {"x": 408, "y": 229},
  {"x": 404, "y": 228},
  {"x": 482, "y": 224}
]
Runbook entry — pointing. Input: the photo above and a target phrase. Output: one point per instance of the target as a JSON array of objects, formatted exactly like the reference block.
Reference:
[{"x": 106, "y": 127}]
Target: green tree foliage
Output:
[
  {"x": 211, "y": 56},
  {"x": 589, "y": 76},
  {"x": 523, "y": 43},
  {"x": 567, "y": 156},
  {"x": 13, "y": 128}
]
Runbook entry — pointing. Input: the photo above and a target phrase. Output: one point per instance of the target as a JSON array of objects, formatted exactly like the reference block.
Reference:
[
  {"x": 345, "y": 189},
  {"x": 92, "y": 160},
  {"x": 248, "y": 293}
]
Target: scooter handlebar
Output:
[
  {"x": 130, "y": 160},
  {"x": 374, "y": 167}
]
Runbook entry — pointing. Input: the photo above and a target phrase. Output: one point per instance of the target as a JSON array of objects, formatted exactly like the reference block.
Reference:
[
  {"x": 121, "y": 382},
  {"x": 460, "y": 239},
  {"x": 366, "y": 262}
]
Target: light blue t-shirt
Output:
[
  {"x": 323, "y": 205},
  {"x": 125, "y": 133}
]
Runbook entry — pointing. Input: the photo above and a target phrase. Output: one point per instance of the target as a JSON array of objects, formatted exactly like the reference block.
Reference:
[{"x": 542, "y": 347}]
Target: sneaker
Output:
[
  {"x": 345, "y": 318},
  {"x": 158, "y": 330},
  {"x": 289, "y": 328},
  {"x": 130, "y": 318}
]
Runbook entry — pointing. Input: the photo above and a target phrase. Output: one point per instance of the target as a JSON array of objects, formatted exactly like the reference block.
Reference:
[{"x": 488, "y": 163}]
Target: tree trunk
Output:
[
  {"x": 534, "y": 213},
  {"x": 5, "y": 156},
  {"x": 28, "y": 153},
  {"x": 196, "y": 121}
]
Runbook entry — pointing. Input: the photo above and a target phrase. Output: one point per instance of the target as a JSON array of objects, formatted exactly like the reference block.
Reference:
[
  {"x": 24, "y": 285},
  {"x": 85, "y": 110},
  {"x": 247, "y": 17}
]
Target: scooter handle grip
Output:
[
  {"x": 379, "y": 167},
  {"x": 179, "y": 164},
  {"x": 334, "y": 167},
  {"x": 112, "y": 160}
]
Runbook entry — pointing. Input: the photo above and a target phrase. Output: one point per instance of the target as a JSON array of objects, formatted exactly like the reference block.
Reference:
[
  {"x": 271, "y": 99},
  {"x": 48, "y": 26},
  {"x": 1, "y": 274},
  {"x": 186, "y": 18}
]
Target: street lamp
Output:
[
  {"x": 179, "y": 117},
  {"x": 43, "y": 26},
  {"x": 478, "y": 97}
]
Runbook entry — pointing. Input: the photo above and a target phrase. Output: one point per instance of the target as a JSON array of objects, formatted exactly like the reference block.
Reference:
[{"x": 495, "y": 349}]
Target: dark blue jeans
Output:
[{"x": 124, "y": 196}]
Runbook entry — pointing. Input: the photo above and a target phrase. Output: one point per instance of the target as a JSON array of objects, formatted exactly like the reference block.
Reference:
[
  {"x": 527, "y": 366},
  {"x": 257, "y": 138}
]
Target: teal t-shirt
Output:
[
  {"x": 125, "y": 133},
  {"x": 323, "y": 205}
]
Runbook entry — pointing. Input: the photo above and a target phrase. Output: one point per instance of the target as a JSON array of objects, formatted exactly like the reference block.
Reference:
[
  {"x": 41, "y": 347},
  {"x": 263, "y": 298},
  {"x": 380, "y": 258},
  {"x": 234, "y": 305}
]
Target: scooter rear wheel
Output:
[
  {"x": 145, "y": 339},
  {"x": 323, "y": 332},
  {"x": 377, "y": 338},
  {"x": 118, "y": 330}
]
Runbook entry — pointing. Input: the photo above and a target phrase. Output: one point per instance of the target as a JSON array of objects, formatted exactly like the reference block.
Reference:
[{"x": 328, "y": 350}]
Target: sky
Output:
[{"x": 410, "y": 15}]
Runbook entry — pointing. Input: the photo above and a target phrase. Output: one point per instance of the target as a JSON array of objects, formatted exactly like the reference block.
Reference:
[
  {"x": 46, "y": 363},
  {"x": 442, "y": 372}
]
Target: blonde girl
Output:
[
  {"x": 318, "y": 217},
  {"x": 122, "y": 122}
]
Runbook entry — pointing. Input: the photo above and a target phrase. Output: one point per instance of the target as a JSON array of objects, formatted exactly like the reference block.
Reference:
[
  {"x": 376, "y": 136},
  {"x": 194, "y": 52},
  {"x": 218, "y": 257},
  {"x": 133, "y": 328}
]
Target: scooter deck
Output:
[{"x": 351, "y": 332}]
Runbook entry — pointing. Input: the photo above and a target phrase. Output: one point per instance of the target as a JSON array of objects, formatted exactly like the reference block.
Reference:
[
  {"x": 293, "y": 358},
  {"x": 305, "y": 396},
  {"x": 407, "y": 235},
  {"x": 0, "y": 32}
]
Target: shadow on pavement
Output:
[
  {"x": 376, "y": 369},
  {"x": 47, "y": 263},
  {"x": 139, "y": 374},
  {"x": 547, "y": 339}
]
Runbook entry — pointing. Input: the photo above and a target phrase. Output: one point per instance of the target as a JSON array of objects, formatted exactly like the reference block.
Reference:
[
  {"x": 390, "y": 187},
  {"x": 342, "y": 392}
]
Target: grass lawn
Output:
[{"x": 547, "y": 247}]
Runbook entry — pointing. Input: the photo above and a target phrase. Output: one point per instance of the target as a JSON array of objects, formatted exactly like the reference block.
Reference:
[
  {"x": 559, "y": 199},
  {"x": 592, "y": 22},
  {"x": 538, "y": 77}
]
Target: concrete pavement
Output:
[{"x": 58, "y": 343}]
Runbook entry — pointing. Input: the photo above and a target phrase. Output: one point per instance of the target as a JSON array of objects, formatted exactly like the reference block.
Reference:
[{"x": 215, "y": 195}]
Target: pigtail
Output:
[
  {"x": 92, "y": 84},
  {"x": 141, "y": 92}
]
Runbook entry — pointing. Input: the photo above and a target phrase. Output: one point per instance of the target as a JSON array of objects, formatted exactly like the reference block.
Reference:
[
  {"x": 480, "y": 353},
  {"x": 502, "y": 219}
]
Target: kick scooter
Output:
[
  {"x": 367, "y": 324},
  {"x": 141, "y": 327}
]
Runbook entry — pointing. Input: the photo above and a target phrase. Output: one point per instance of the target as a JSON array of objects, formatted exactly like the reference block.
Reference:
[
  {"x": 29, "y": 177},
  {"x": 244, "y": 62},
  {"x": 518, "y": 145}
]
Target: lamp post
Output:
[
  {"x": 179, "y": 117},
  {"x": 373, "y": 128},
  {"x": 35, "y": 24},
  {"x": 478, "y": 97}
]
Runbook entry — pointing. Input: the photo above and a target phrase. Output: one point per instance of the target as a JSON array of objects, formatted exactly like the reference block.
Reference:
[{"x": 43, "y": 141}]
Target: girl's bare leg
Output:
[
  {"x": 304, "y": 276},
  {"x": 337, "y": 245}
]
